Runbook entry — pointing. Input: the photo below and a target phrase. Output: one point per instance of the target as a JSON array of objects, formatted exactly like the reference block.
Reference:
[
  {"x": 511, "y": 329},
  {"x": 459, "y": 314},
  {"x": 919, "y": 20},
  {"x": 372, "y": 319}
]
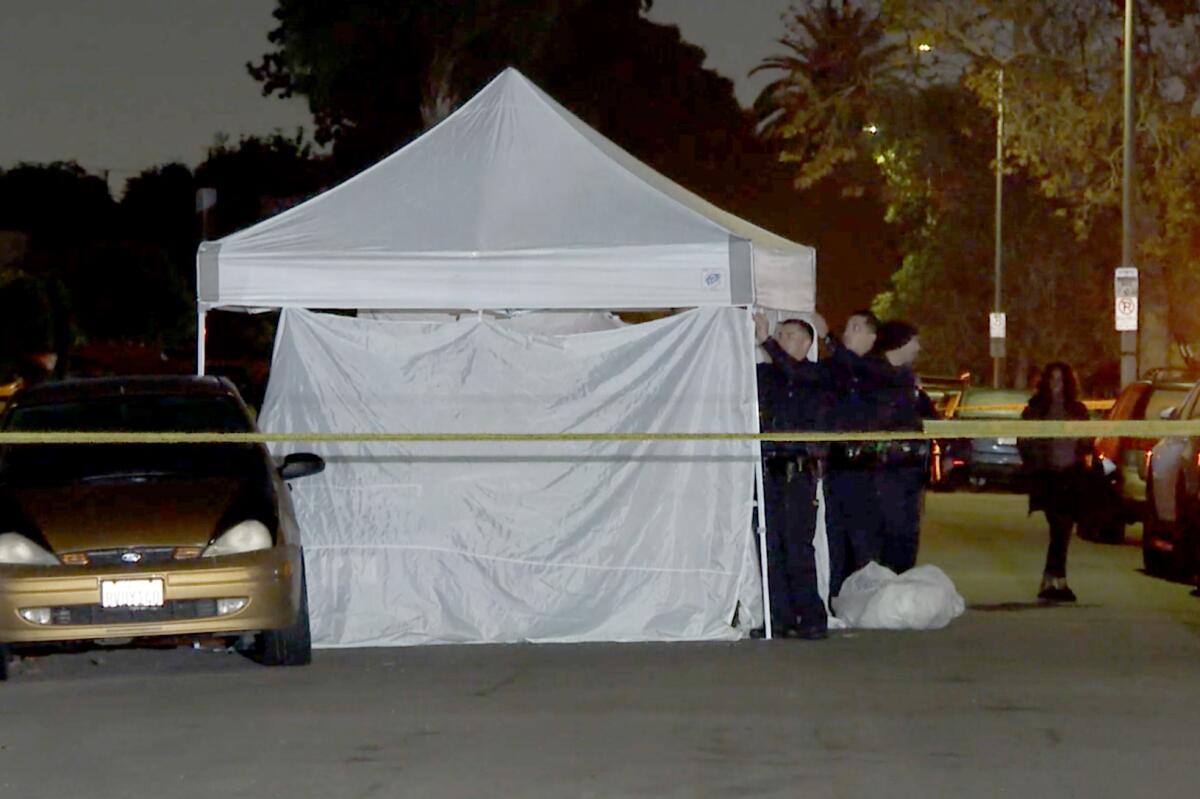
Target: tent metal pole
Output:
[
  {"x": 201, "y": 337},
  {"x": 762, "y": 544},
  {"x": 762, "y": 498}
]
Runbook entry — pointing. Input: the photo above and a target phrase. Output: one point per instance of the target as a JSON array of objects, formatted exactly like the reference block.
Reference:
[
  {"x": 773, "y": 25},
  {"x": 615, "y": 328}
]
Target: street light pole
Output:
[
  {"x": 1129, "y": 338},
  {"x": 997, "y": 302}
]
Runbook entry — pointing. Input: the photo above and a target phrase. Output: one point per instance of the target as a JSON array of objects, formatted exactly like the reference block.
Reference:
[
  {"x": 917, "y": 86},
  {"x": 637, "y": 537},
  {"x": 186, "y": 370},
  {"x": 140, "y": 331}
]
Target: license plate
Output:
[
  {"x": 1006, "y": 442},
  {"x": 131, "y": 593}
]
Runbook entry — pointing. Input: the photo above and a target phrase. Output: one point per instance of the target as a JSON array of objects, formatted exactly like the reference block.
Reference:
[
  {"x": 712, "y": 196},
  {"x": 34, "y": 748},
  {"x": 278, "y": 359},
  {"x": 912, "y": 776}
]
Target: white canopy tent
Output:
[{"x": 510, "y": 204}]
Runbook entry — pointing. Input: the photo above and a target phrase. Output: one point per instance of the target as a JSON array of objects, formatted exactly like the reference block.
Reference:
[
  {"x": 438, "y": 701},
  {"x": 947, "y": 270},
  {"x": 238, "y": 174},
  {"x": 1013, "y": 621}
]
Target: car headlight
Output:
[
  {"x": 18, "y": 550},
  {"x": 247, "y": 536}
]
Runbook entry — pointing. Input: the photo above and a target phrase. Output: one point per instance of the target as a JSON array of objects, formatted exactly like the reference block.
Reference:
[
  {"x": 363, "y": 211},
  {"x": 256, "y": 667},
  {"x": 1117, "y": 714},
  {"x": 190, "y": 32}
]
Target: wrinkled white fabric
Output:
[
  {"x": 420, "y": 543},
  {"x": 875, "y": 597}
]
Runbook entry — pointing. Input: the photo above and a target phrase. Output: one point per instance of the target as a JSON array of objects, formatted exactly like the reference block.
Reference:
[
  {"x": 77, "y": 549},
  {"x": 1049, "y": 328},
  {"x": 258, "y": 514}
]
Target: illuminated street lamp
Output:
[{"x": 870, "y": 128}]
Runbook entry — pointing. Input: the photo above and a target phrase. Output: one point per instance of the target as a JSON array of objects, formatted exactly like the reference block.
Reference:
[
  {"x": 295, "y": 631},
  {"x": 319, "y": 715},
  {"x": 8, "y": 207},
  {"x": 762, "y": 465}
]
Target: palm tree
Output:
[{"x": 838, "y": 61}]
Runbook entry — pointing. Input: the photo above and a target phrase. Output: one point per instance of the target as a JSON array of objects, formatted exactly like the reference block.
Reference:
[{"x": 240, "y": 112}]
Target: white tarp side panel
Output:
[
  {"x": 472, "y": 542},
  {"x": 617, "y": 277},
  {"x": 750, "y": 598},
  {"x": 785, "y": 280}
]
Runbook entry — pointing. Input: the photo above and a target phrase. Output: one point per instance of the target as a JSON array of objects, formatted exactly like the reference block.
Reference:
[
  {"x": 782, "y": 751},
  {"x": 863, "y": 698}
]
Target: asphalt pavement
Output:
[{"x": 1013, "y": 699}]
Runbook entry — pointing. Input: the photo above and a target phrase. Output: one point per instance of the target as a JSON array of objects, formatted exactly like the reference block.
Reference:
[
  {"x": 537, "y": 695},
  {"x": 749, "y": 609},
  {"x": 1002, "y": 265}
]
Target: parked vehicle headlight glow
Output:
[
  {"x": 247, "y": 536},
  {"x": 18, "y": 550}
]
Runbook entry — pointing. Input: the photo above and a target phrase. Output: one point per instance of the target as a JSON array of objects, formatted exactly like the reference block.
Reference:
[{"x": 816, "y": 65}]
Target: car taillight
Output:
[
  {"x": 188, "y": 553},
  {"x": 74, "y": 559}
]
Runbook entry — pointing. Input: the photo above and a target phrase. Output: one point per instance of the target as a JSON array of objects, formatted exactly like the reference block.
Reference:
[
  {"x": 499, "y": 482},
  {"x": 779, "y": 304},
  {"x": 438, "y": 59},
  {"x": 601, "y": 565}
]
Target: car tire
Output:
[
  {"x": 292, "y": 645},
  {"x": 5, "y": 657}
]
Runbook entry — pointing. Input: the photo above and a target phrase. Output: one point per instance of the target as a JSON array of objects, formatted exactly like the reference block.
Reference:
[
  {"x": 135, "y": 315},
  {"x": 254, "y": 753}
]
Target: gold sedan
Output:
[{"x": 113, "y": 543}]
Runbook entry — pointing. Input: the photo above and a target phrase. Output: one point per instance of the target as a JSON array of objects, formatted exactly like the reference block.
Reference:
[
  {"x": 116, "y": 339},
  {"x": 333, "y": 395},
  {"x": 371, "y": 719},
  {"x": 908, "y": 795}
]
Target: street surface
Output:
[{"x": 1013, "y": 699}]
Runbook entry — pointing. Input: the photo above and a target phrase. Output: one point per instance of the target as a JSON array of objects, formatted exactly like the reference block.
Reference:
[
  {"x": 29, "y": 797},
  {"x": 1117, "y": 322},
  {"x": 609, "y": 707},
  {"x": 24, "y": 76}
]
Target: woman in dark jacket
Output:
[{"x": 1056, "y": 469}]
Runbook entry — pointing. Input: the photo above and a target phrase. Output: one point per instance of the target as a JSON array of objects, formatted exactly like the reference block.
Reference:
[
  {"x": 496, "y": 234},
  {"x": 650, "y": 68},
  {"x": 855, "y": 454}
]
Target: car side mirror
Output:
[
  {"x": 301, "y": 464},
  {"x": 1167, "y": 413}
]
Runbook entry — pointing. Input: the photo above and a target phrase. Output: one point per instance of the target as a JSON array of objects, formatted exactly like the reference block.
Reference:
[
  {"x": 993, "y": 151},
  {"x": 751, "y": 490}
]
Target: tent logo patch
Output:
[{"x": 713, "y": 280}]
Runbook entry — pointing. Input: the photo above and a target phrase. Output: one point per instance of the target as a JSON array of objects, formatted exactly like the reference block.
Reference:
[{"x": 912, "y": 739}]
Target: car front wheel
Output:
[{"x": 291, "y": 646}]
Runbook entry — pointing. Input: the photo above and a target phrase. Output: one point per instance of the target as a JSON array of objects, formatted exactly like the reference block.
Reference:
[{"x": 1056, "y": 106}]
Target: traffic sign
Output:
[
  {"x": 997, "y": 325},
  {"x": 1125, "y": 297}
]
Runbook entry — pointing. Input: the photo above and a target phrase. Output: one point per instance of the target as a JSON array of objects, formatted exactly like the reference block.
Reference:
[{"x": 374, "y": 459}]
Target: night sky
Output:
[{"x": 122, "y": 86}]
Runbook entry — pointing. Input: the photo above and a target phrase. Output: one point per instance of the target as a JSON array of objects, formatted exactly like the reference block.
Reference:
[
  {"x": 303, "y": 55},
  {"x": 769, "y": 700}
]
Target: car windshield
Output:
[
  {"x": 1161, "y": 399},
  {"x": 56, "y": 463}
]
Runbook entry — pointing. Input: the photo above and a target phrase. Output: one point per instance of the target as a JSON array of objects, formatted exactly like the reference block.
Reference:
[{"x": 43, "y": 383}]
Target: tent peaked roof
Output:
[{"x": 511, "y": 201}]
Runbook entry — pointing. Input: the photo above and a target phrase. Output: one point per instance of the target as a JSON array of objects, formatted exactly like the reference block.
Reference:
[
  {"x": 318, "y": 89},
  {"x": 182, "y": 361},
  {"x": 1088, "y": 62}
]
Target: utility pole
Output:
[
  {"x": 1129, "y": 338},
  {"x": 998, "y": 327}
]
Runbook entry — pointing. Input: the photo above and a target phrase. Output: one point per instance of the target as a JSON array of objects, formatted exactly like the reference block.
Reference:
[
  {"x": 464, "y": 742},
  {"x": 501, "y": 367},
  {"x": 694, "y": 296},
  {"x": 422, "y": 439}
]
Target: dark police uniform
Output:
[
  {"x": 793, "y": 396},
  {"x": 903, "y": 469},
  {"x": 854, "y": 519}
]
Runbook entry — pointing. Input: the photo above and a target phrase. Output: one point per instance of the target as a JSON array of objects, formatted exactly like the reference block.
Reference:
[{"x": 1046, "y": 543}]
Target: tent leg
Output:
[
  {"x": 762, "y": 545},
  {"x": 201, "y": 337},
  {"x": 762, "y": 499}
]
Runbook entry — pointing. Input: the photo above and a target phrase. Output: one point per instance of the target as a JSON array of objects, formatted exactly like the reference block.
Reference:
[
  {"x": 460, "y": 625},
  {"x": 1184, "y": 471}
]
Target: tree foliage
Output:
[
  {"x": 1062, "y": 63},
  {"x": 834, "y": 86},
  {"x": 925, "y": 80},
  {"x": 375, "y": 75},
  {"x": 1054, "y": 287}
]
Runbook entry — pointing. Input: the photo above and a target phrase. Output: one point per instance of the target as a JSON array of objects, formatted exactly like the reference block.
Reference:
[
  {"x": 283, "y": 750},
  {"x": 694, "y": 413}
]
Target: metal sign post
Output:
[{"x": 997, "y": 332}]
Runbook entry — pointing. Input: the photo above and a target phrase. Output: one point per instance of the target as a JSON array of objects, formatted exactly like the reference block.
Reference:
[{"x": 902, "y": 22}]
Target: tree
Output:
[
  {"x": 63, "y": 209},
  {"x": 838, "y": 82},
  {"x": 941, "y": 193},
  {"x": 375, "y": 76},
  {"x": 1062, "y": 65},
  {"x": 878, "y": 122},
  {"x": 258, "y": 176},
  {"x": 58, "y": 204}
]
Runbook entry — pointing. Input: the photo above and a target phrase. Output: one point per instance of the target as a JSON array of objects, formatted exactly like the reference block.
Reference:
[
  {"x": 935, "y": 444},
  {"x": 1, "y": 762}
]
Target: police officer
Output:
[
  {"x": 794, "y": 396},
  {"x": 854, "y": 520},
  {"x": 903, "y": 465}
]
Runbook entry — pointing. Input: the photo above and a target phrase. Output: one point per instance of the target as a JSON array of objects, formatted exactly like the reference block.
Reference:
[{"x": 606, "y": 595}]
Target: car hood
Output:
[{"x": 126, "y": 514}]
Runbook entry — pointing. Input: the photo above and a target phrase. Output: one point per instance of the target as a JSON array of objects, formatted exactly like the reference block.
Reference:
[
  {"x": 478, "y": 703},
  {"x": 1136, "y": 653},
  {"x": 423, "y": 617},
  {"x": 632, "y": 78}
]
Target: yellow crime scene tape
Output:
[
  {"x": 1091, "y": 405},
  {"x": 934, "y": 429}
]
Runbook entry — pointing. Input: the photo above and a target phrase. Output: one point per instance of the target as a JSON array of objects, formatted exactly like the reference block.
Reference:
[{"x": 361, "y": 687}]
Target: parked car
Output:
[
  {"x": 1148, "y": 398},
  {"x": 113, "y": 544},
  {"x": 945, "y": 392},
  {"x": 1169, "y": 528},
  {"x": 980, "y": 462},
  {"x": 6, "y": 392}
]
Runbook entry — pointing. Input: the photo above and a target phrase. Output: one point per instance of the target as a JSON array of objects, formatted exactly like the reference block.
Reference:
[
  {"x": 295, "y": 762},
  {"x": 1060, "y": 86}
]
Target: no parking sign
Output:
[{"x": 1125, "y": 293}]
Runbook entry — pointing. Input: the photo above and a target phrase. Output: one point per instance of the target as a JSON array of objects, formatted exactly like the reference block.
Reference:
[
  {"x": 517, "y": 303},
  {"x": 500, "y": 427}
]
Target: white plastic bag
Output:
[{"x": 876, "y": 598}]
